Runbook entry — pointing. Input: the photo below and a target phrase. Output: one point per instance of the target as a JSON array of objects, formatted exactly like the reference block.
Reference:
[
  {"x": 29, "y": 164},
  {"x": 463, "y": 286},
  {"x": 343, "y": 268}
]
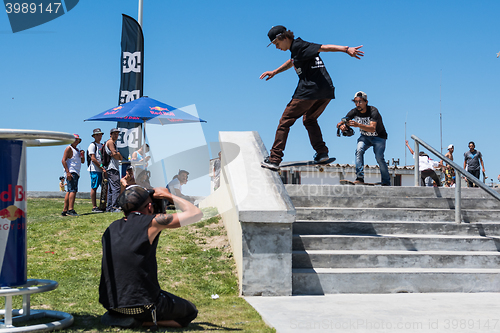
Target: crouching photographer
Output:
[
  {"x": 372, "y": 134},
  {"x": 129, "y": 287}
]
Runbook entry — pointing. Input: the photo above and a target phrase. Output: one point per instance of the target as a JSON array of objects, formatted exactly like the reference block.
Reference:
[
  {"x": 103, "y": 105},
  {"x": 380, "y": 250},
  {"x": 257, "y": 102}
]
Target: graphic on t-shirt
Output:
[
  {"x": 318, "y": 63},
  {"x": 365, "y": 121}
]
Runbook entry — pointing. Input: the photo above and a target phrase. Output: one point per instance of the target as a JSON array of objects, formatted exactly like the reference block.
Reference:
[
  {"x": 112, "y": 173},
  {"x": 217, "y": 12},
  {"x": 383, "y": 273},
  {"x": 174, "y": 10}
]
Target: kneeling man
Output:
[{"x": 129, "y": 287}]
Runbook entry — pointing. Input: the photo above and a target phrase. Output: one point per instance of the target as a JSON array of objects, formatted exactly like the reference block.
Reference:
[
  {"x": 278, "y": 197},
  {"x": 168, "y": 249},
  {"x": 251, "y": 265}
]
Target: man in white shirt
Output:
[
  {"x": 175, "y": 185},
  {"x": 426, "y": 166}
]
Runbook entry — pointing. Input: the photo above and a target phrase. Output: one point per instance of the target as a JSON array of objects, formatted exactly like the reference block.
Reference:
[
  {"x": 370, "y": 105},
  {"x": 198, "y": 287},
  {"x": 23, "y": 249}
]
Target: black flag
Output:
[{"x": 131, "y": 83}]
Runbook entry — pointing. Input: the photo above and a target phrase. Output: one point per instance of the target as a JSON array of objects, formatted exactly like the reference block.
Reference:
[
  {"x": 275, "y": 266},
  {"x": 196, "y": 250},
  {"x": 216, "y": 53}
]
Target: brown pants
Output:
[{"x": 309, "y": 110}]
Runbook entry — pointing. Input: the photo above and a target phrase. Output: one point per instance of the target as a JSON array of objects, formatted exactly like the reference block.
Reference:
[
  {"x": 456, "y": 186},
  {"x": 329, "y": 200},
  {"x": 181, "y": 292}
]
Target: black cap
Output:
[
  {"x": 275, "y": 32},
  {"x": 133, "y": 198}
]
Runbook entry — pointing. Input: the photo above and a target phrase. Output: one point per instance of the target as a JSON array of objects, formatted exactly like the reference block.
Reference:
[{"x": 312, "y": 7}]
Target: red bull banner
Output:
[
  {"x": 131, "y": 85},
  {"x": 13, "y": 250}
]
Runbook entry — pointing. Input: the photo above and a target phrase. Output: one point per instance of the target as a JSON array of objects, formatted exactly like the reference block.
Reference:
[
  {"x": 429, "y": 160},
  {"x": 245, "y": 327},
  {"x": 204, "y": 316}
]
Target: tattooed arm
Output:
[{"x": 189, "y": 214}]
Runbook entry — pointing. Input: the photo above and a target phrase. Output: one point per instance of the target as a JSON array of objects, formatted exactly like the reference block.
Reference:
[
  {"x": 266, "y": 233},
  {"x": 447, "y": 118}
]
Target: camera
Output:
[
  {"x": 348, "y": 131},
  {"x": 159, "y": 205}
]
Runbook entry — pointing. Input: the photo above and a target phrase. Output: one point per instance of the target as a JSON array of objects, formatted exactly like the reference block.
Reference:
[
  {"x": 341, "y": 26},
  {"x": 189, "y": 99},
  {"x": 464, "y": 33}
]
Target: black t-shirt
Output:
[
  {"x": 371, "y": 114},
  {"x": 314, "y": 80},
  {"x": 129, "y": 272}
]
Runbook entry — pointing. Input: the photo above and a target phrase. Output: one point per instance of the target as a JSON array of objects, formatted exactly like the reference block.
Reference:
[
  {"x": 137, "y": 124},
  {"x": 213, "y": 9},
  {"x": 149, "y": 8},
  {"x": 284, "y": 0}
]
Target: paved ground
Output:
[{"x": 440, "y": 312}]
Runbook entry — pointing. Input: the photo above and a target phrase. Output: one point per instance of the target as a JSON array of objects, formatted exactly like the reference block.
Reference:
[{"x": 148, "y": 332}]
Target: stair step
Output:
[
  {"x": 343, "y": 227},
  {"x": 379, "y": 191},
  {"x": 394, "y": 259},
  {"x": 321, "y": 281},
  {"x": 395, "y": 214},
  {"x": 393, "y": 202},
  {"x": 396, "y": 242}
]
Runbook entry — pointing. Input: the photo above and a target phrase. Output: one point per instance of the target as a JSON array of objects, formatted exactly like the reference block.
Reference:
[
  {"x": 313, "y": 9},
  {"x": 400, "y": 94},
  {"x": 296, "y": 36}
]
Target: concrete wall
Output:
[{"x": 258, "y": 215}]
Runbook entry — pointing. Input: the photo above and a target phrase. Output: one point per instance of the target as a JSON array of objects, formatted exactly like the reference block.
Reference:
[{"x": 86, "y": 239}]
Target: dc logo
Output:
[
  {"x": 128, "y": 96},
  {"x": 131, "y": 62},
  {"x": 129, "y": 137}
]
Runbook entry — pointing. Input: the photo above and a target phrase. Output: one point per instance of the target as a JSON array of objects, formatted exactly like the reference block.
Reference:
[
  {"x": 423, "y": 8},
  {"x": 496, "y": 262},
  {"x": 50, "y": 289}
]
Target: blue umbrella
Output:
[{"x": 143, "y": 110}]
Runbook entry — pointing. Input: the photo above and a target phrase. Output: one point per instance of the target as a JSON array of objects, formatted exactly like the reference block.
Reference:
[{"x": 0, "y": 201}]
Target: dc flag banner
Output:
[{"x": 131, "y": 84}]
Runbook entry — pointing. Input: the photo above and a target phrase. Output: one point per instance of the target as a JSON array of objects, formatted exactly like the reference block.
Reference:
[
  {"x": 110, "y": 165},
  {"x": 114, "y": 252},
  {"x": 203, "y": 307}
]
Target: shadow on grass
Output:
[{"x": 92, "y": 322}]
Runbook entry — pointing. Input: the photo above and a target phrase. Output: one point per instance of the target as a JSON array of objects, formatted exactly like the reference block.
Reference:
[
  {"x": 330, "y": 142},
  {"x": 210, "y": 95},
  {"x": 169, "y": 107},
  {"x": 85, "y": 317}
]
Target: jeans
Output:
[
  {"x": 309, "y": 110},
  {"x": 378, "y": 144},
  {"x": 113, "y": 189}
]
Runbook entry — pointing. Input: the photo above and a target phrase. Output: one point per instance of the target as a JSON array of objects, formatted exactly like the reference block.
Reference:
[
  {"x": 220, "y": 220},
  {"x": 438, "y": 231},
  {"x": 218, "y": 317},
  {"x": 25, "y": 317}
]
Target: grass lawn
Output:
[{"x": 195, "y": 262}]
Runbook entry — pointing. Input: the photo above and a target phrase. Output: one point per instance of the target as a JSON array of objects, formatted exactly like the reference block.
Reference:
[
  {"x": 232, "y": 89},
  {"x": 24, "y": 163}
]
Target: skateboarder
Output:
[{"x": 313, "y": 93}]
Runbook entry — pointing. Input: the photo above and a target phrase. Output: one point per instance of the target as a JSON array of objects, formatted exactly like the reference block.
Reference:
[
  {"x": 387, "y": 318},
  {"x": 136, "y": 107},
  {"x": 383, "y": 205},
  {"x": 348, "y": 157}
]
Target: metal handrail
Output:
[{"x": 458, "y": 169}]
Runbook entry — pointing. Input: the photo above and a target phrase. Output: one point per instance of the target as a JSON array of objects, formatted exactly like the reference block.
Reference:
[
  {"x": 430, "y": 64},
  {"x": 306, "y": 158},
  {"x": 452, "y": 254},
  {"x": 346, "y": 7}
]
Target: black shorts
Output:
[{"x": 168, "y": 307}]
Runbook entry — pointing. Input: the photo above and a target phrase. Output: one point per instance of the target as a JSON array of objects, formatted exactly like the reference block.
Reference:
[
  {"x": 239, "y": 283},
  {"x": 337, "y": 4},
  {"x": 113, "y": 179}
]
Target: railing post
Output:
[
  {"x": 458, "y": 196},
  {"x": 416, "y": 154}
]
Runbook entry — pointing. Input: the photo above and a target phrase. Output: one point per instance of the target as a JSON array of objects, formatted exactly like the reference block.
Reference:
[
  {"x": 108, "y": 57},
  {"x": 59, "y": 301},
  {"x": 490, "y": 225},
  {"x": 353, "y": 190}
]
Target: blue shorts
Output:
[
  {"x": 73, "y": 183},
  {"x": 95, "y": 179}
]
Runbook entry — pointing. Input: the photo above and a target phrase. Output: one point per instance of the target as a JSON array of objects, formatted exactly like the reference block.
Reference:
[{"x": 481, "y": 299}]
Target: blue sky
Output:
[{"x": 211, "y": 54}]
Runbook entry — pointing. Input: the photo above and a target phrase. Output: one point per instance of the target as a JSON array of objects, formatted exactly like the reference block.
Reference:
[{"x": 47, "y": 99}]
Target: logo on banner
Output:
[
  {"x": 131, "y": 62},
  {"x": 128, "y": 96},
  {"x": 129, "y": 137},
  {"x": 26, "y": 15}
]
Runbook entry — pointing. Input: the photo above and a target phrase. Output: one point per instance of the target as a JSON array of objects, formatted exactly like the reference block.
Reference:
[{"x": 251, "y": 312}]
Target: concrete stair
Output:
[{"x": 366, "y": 239}]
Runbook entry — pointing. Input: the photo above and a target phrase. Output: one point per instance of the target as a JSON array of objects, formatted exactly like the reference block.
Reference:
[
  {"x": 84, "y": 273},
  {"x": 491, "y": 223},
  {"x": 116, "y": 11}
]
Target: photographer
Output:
[
  {"x": 129, "y": 287},
  {"x": 373, "y": 134}
]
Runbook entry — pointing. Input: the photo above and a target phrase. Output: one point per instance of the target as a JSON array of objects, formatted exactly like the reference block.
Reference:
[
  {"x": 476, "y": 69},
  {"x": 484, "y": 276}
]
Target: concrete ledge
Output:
[
  {"x": 258, "y": 216},
  {"x": 58, "y": 194}
]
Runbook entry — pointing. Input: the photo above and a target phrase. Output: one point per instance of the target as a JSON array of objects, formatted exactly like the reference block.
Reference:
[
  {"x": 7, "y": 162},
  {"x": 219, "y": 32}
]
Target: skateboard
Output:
[
  {"x": 348, "y": 182},
  {"x": 305, "y": 163},
  {"x": 103, "y": 201}
]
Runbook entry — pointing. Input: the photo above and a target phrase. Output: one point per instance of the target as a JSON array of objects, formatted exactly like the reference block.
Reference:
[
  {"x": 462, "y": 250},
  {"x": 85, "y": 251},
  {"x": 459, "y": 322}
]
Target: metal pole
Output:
[
  {"x": 458, "y": 196},
  {"x": 139, "y": 16},
  {"x": 416, "y": 155}
]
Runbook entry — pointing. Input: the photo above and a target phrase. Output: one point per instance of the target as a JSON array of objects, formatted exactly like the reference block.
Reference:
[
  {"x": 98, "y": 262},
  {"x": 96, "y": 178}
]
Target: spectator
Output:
[
  {"x": 72, "y": 161},
  {"x": 128, "y": 179},
  {"x": 426, "y": 166},
  {"x": 62, "y": 184},
  {"x": 449, "y": 172},
  {"x": 216, "y": 172},
  {"x": 175, "y": 185},
  {"x": 142, "y": 179},
  {"x": 96, "y": 170},
  {"x": 472, "y": 158},
  {"x": 112, "y": 171},
  {"x": 449, "y": 154},
  {"x": 140, "y": 157}
]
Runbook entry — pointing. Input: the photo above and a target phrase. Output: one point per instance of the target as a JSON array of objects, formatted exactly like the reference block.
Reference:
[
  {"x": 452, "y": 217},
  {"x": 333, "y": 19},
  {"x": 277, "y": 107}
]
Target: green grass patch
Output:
[{"x": 194, "y": 262}]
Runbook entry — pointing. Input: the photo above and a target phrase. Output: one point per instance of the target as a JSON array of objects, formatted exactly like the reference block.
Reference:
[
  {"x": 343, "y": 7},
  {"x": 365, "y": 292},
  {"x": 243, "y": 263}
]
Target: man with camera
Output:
[
  {"x": 129, "y": 287},
  {"x": 373, "y": 134}
]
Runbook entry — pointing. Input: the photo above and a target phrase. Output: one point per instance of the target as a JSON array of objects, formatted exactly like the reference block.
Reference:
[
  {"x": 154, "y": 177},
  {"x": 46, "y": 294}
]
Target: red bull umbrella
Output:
[{"x": 148, "y": 110}]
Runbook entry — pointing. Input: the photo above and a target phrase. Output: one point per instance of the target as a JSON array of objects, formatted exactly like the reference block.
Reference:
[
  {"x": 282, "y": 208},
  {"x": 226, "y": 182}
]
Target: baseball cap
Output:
[
  {"x": 77, "y": 137},
  {"x": 133, "y": 198},
  {"x": 114, "y": 130},
  {"x": 451, "y": 146},
  {"x": 361, "y": 94},
  {"x": 274, "y": 32},
  {"x": 97, "y": 131}
]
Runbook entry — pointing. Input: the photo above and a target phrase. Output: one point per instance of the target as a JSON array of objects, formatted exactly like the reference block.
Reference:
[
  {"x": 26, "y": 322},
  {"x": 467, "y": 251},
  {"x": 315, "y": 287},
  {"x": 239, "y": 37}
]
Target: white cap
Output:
[
  {"x": 451, "y": 146},
  {"x": 360, "y": 94}
]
